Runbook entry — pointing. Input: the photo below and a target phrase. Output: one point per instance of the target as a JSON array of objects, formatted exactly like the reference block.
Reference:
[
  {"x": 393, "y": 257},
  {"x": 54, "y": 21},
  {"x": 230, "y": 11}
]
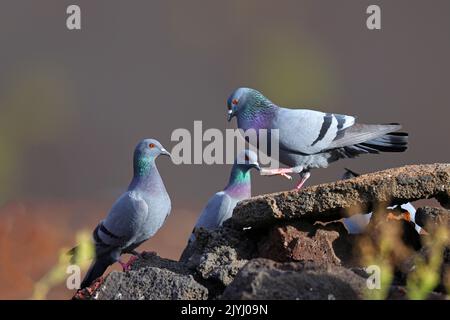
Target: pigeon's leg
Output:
[
  {"x": 281, "y": 171},
  {"x": 304, "y": 175},
  {"x": 126, "y": 266}
]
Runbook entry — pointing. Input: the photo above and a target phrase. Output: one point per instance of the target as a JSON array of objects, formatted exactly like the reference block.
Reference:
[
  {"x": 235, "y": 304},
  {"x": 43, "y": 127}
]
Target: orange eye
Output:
[
  {"x": 229, "y": 107},
  {"x": 235, "y": 101},
  {"x": 151, "y": 145},
  {"x": 247, "y": 158}
]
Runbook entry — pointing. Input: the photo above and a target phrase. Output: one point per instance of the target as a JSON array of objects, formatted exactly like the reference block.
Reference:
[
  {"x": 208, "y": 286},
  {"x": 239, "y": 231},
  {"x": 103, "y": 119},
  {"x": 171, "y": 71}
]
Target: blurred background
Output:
[{"x": 73, "y": 104}]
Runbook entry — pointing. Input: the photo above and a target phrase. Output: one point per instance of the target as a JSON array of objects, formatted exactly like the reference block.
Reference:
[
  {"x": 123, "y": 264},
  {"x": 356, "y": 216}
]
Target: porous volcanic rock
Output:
[
  {"x": 431, "y": 218},
  {"x": 303, "y": 241},
  {"x": 267, "y": 279},
  {"x": 151, "y": 277},
  {"x": 332, "y": 201}
]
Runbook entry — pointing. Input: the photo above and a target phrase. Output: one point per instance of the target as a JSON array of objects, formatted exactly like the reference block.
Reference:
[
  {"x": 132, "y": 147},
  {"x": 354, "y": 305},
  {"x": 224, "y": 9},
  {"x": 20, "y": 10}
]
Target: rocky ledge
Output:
[{"x": 293, "y": 245}]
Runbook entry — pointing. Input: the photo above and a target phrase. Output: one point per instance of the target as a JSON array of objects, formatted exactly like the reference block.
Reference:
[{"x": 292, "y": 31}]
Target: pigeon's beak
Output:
[
  {"x": 230, "y": 114},
  {"x": 256, "y": 166},
  {"x": 166, "y": 153}
]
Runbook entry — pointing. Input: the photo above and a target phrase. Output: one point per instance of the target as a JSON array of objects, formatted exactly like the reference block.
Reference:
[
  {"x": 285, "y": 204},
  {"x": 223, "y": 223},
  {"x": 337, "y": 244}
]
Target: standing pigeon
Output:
[
  {"x": 311, "y": 139},
  {"x": 136, "y": 215},
  {"x": 220, "y": 207}
]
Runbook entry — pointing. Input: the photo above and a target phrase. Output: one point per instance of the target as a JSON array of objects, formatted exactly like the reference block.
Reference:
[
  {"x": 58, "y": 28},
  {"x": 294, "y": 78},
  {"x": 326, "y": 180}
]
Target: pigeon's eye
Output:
[
  {"x": 247, "y": 158},
  {"x": 151, "y": 145},
  {"x": 229, "y": 107},
  {"x": 235, "y": 101}
]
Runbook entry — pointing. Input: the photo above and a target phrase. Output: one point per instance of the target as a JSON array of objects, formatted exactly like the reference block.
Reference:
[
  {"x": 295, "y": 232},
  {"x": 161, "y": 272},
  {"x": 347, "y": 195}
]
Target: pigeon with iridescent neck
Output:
[
  {"x": 136, "y": 215},
  {"x": 311, "y": 139},
  {"x": 220, "y": 207}
]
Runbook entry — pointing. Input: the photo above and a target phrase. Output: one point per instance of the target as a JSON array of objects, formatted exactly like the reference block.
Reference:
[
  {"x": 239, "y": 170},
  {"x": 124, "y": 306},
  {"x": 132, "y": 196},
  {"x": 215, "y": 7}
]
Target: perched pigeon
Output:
[
  {"x": 312, "y": 139},
  {"x": 357, "y": 223},
  {"x": 136, "y": 215},
  {"x": 220, "y": 207}
]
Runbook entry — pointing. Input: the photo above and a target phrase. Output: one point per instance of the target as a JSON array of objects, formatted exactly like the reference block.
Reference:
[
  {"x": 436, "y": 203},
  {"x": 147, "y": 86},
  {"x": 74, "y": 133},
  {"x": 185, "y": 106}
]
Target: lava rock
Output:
[
  {"x": 332, "y": 201},
  {"x": 303, "y": 241},
  {"x": 267, "y": 279},
  {"x": 149, "y": 283},
  {"x": 151, "y": 277},
  {"x": 431, "y": 218},
  {"x": 217, "y": 256}
]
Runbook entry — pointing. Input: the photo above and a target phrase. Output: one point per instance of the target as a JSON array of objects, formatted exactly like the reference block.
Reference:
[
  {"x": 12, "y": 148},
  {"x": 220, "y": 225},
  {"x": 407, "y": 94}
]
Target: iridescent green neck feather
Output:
[
  {"x": 142, "y": 165},
  {"x": 239, "y": 185}
]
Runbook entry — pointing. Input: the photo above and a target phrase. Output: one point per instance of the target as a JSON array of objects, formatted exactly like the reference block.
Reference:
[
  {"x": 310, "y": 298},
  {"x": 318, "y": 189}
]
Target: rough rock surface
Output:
[
  {"x": 151, "y": 278},
  {"x": 297, "y": 246},
  {"x": 150, "y": 283},
  {"x": 266, "y": 279},
  {"x": 332, "y": 201},
  {"x": 217, "y": 256},
  {"x": 330, "y": 244},
  {"x": 429, "y": 217}
]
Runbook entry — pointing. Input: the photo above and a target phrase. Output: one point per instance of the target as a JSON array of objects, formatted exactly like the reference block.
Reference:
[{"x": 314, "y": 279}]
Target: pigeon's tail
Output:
[
  {"x": 391, "y": 142},
  {"x": 96, "y": 269}
]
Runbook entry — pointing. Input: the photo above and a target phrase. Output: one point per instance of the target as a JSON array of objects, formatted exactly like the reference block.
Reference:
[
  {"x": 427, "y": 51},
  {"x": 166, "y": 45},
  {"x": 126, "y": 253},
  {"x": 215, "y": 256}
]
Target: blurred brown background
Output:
[{"x": 73, "y": 104}]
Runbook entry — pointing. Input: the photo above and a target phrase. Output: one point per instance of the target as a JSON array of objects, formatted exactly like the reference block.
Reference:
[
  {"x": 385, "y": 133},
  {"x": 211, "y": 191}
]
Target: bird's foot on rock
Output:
[
  {"x": 86, "y": 293},
  {"x": 284, "y": 172},
  {"x": 127, "y": 266}
]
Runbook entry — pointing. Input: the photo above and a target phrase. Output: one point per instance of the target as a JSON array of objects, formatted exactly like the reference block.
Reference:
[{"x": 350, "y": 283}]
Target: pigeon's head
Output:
[
  {"x": 149, "y": 149},
  {"x": 247, "y": 159},
  {"x": 243, "y": 99}
]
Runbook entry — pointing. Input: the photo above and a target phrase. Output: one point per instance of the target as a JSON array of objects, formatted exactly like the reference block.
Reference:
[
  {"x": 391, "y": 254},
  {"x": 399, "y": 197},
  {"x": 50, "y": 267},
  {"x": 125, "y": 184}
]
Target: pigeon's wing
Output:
[
  {"x": 309, "y": 132},
  {"x": 306, "y": 132},
  {"x": 123, "y": 222},
  {"x": 218, "y": 209},
  {"x": 360, "y": 133}
]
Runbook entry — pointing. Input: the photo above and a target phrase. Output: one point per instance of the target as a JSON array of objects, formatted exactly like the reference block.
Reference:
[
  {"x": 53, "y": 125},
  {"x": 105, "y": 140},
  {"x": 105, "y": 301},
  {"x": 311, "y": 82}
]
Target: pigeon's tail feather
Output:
[
  {"x": 96, "y": 269},
  {"x": 391, "y": 142}
]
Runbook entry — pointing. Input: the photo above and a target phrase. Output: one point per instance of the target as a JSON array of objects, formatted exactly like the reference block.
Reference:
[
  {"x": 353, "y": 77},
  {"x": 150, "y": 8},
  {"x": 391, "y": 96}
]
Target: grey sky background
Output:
[{"x": 73, "y": 104}]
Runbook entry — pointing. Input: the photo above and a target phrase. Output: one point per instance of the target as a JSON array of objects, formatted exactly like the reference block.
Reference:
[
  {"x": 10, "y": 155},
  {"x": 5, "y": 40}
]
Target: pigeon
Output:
[
  {"x": 357, "y": 223},
  {"x": 311, "y": 139},
  {"x": 135, "y": 216},
  {"x": 220, "y": 207}
]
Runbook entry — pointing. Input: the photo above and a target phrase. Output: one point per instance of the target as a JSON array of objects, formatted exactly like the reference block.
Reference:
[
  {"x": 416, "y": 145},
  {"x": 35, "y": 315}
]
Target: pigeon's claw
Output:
[
  {"x": 280, "y": 172},
  {"x": 286, "y": 176},
  {"x": 127, "y": 266},
  {"x": 304, "y": 176}
]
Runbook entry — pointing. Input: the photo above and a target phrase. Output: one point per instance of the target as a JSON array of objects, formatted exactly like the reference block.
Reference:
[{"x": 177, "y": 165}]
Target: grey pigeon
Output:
[
  {"x": 220, "y": 207},
  {"x": 136, "y": 215},
  {"x": 357, "y": 223},
  {"x": 312, "y": 139}
]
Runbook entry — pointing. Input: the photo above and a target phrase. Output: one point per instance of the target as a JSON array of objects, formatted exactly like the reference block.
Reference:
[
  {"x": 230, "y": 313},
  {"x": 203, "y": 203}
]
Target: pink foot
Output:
[
  {"x": 127, "y": 266},
  {"x": 304, "y": 176},
  {"x": 281, "y": 171}
]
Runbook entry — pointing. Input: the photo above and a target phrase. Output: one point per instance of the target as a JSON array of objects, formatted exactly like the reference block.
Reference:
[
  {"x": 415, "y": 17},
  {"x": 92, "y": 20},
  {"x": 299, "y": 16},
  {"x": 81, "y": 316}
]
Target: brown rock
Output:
[
  {"x": 302, "y": 241},
  {"x": 431, "y": 218},
  {"x": 217, "y": 256},
  {"x": 151, "y": 278},
  {"x": 266, "y": 279},
  {"x": 332, "y": 201}
]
